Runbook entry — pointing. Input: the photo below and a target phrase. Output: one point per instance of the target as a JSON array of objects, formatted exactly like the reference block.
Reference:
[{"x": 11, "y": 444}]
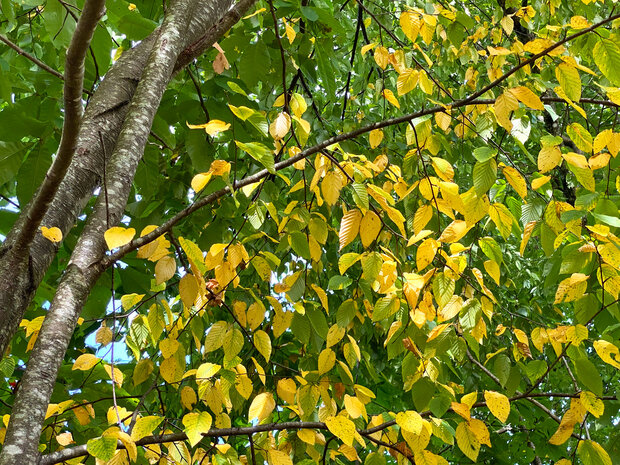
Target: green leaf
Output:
[
  {"x": 606, "y": 55},
  {"x": 259, "y": 152},
  {"x": 485, "y": 174},
  {"x": 591, "y": 453},
  {"x": 103, "y": 448},
  {"x": 385, "y": 307},
  {"x": 589, "y": 375}
]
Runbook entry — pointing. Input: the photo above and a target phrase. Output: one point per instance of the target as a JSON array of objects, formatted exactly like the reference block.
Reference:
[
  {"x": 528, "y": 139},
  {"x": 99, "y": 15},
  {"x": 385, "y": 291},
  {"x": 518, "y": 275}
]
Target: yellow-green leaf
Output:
[
  {"x": 145, "y": 426},
  {"x": 327, "y": 359},
  {"x": 195, "y": 425},
  {"x": 263, "y": 343},
  {"x": 467, "y": 441}
]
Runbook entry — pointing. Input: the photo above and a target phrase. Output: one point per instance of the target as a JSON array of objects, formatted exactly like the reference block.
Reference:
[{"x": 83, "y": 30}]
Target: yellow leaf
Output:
[
  {"x": 410, "y": 23},
  {"x": 369, "y": 228},
  {"x": 142, "y": 371},
  {"x": 168, "y": 347},
  {"x": 129, "y": 300},
  {"x": 261, "y": 407},
  {"x": 290, "y": 33},
  {"x": 298, "y": 104},
  {"x": 263, "y": 343},
  {"x": 367, "y": 47},
  {"x": 437, "y": 330},
  {"x": 195, "y": 425},
  {"x": 334, "y": 335},
  {"x": 571, "y": 289},
  {"x": 188, "y": 290},
  {"x": 331, "y": 186},
  {"x": 85, "y": 362},
  {"x": 467, "y": 441},
  {"x": 608, "y": 352},
  {"x": 498, "y": 404},
  {"x": 410, "y": 421},
  {"x": 354, "y": 407},
  {"x": 461, "y": 409},
  {"x": 548, "y": 158},
  {"x": 470, "y": 399},
  {"x": 540, "y": 181},
  {"x": 200, "y": 181},
  {"x": 103, "y": 336},
  {"x": 165, "y": 269},
  {"x": 64, "y": 439},
  {"x": 118, "y": 236},
  {"x": 454, "y": 232},
  {"x": 115, "y": 374},
  {"x": 426, "y": 253},
  {"x": 382, "y": 57},
  {"x": 171, "y": 370},
  {"x": 591, "y": 403},
  {"x": 480, "y": 430},
  {"x": 421, "y": 218},
  {"x": 280, "y": 126},
  {"x": 527, "y": 97},
  {"x": 407, "y": 81},
  {"x": 213, "y": 127},
  {"x": 515, "y": 179},
  {"x": 188, "y": 397},
  {"x": 493, "y": 269},
  {"x": 286, "y": 390},
  {"x": 255, "y": 315},
  {"x": 327, "y": 359},
  {"x": 278, "y": 457},
  {"x": 375, "y": 137},
  {"x": 53, "y": 234},
  {"x": 390, "y": 97},
  {"x": 349, "y": 227},
  {"x": 118, "y": 414},
  {"x": 342, "y": 428},
  {"x": 504, "y": 105},
  {"x": 591, "y": 453}
]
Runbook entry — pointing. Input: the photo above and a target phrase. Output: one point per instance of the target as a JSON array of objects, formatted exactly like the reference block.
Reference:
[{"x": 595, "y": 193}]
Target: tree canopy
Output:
[{"x": 309, "y": 232}]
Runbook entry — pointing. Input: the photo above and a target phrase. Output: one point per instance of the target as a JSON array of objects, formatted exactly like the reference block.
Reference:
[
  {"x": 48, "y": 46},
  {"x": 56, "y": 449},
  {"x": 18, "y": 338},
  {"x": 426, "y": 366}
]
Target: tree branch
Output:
[
  {"x": 74, "y": 79},
  {"x": 32, "y": 58},
  {"x": 79, "y": 451}
]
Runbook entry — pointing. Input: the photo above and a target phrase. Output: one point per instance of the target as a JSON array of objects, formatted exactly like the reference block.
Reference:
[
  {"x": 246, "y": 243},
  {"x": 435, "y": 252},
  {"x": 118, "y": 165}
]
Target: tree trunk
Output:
[
  {"x": 31, "y": 401},
  {"x": 21, "y": 274}
]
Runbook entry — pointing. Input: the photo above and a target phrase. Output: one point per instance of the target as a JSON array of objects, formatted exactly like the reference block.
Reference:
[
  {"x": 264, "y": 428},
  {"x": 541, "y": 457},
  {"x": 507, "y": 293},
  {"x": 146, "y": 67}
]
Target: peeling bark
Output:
[{"x": 21, "y": 273}]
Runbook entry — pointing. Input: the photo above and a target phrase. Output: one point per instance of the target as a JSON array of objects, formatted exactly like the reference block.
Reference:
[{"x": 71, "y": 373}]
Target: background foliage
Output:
[{"x": 442, "y": 265}]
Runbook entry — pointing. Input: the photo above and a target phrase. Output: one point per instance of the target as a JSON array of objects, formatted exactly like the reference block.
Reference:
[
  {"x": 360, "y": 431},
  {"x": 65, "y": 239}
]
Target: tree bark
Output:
[
  {"x": 21, "y": 273},
  {"x": 22, "y": 437}
]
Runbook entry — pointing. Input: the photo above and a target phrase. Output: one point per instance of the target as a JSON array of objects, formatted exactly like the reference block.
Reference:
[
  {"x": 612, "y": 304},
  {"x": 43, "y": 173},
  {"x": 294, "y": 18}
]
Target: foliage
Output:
[{"x": 410, "y": 254}]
